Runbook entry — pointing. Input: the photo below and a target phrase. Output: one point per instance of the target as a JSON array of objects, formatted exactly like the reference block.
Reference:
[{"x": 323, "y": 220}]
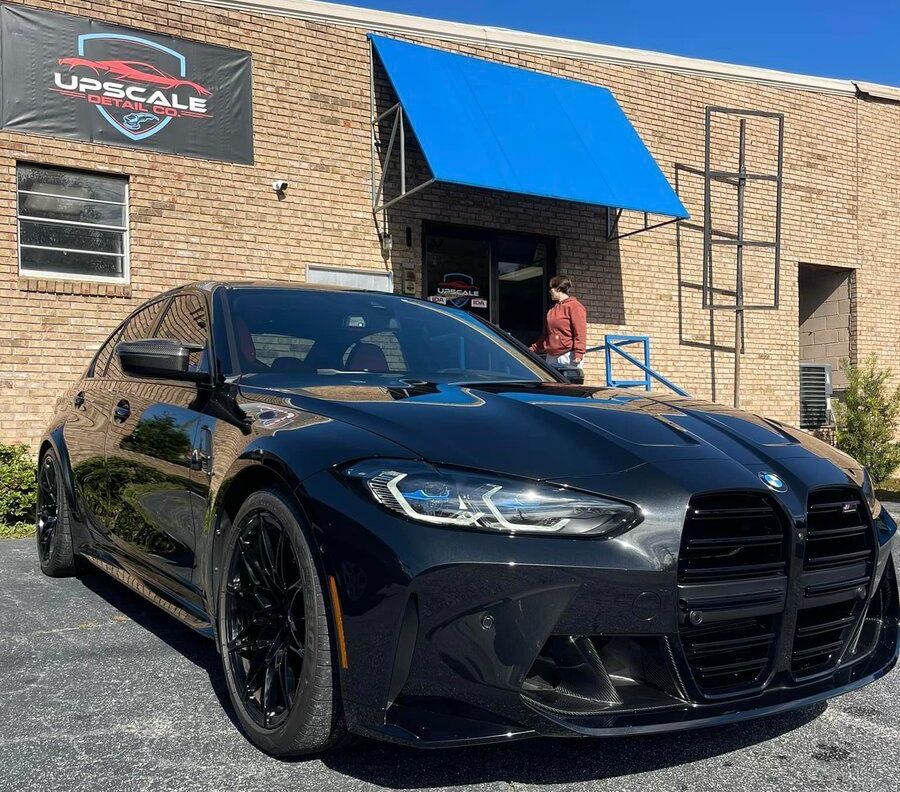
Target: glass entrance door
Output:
[
  {"x": 522, "y": 285},
  {"x": 499, "y": 276},
  {"x": 458, "y": 272}
]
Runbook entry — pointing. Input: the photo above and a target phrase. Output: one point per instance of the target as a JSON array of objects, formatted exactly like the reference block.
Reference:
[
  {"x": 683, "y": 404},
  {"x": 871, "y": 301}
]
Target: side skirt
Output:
[{"x": 138, "y": 586}]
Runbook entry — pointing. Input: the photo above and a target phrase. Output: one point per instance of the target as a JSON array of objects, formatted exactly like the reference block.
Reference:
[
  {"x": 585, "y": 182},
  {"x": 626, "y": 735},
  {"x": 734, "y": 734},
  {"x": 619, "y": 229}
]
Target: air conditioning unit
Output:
[{"x": 815, "y": 395}]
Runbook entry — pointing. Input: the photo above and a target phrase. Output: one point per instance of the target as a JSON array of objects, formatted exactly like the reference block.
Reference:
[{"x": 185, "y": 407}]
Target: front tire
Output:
[
  {"x": 52, "y": 523},
  {"x": 273, "y": 631}
]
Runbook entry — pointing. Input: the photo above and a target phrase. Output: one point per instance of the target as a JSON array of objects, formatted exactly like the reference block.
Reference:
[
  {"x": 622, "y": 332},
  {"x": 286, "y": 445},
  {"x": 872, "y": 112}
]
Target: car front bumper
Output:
[{"x": 457, "y": 638}]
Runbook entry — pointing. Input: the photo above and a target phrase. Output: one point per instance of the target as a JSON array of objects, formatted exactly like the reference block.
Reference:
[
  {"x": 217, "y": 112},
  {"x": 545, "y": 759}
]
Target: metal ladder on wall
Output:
[{"x": 613, "y": 346}]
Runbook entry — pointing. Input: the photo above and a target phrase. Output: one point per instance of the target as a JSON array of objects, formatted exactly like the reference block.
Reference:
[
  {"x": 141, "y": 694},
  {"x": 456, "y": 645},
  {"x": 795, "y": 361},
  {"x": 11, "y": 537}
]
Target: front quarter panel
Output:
[{"x": 277, "y": 442}]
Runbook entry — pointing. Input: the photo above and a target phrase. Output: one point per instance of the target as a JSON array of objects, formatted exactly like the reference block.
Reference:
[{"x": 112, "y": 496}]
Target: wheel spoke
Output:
[
  {"x": 248, "y": 640},
  {"x": 250, "y": 599},
  {"x": 267, "y": 556},
  {"x": 265, "y": 618},
  {"x": 283, "y": 678},
  {"x": 266, "y": 699},
  {"x": 255, "y": 671},
  {"x": 296, "y": 648},
  {"x": 279, "y": 557},
  {"x": 48, "y": 505},
  {"x": 251, "y": 564}
]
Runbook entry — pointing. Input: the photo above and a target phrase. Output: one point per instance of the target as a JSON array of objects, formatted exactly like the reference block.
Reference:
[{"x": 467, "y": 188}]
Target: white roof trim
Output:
[
  {"x": 878, "y": 91},
  {"x": 389, "y": 22}
]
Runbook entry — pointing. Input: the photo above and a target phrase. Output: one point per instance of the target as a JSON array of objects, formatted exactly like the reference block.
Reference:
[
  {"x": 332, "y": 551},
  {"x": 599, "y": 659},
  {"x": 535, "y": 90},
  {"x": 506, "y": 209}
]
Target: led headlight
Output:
[
  {"x": 487, "y": 502},
  {"x": 868, "y": 491},
  {"x": 884, "y": 522}
]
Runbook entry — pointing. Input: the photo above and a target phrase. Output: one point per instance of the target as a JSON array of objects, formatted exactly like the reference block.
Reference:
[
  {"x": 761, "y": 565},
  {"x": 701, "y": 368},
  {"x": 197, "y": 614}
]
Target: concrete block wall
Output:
[{"x": 825, "y": 318}]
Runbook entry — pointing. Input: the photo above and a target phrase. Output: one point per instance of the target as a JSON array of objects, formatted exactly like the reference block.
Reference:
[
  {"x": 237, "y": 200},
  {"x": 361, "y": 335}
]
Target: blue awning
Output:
[{"x": 486, "y": 124}]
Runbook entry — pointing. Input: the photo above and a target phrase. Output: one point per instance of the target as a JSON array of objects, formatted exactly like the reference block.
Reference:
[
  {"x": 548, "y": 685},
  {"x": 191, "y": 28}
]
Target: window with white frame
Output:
[{"x": 72, "y": 224}]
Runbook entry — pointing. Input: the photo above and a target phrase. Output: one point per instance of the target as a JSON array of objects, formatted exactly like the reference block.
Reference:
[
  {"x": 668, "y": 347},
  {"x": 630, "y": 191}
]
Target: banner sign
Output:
[{"x": 72, "y": 77}]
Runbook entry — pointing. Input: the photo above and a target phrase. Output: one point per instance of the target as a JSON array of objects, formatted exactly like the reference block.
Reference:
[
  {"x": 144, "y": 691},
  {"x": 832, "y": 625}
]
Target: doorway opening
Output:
[
  {"x": 499, "y": 276},
  {"x": 826, "y": 339}
]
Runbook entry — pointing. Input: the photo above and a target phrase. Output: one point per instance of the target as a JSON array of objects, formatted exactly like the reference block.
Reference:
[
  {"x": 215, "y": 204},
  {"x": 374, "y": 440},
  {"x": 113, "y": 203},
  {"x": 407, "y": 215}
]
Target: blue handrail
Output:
[{"x": 614, "y": 343}]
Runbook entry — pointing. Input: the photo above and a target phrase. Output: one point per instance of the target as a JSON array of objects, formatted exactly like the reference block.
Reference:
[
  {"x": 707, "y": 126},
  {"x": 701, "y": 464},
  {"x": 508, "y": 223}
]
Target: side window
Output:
[
  {"x": 185, "y": 320},
  {"x": 138, "y": 326},
  {"x": 101, "y": 360}
]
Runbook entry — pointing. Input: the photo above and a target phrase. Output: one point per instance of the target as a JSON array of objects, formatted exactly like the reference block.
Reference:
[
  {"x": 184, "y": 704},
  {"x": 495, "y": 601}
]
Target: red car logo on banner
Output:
[{"x": 133, "y": 71}]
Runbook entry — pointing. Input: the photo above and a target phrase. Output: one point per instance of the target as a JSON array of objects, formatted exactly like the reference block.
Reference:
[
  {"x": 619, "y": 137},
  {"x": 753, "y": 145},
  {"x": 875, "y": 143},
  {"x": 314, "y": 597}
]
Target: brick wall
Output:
[{"x": 192, "y": 219}]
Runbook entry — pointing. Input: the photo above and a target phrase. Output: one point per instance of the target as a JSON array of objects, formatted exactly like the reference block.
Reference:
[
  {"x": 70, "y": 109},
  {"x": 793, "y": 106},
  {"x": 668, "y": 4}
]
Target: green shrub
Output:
[
  {"x": 866, "y": 419},
  {"x": 18, "y": 488}
]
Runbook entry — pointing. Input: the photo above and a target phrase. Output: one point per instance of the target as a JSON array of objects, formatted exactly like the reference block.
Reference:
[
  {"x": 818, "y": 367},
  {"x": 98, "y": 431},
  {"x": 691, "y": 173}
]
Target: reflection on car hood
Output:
[{"x": 558, "y": 431}]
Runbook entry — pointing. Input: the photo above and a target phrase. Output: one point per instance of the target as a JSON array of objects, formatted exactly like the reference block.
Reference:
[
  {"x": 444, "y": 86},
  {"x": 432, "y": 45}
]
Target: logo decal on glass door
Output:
[{"x": 458, "y": 289}]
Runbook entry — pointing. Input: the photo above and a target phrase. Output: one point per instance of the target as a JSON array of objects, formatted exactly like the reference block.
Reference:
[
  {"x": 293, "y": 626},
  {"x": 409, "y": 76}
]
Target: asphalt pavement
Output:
[{"x": 101, "y": 691}]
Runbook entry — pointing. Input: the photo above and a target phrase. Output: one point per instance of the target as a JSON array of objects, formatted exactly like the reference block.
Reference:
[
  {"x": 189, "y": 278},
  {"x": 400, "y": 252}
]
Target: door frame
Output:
[{"x": 490, "y": 235}]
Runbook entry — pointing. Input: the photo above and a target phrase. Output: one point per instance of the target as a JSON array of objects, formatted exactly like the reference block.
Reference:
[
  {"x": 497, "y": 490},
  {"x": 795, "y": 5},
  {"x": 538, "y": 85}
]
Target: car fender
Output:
[
  {"x": 56, "y": 439},
  {"x": 285, "y": 459}
]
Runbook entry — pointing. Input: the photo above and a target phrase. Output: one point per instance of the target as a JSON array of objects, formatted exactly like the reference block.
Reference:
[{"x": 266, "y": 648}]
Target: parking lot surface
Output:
[{"x": 101, "y": 691}]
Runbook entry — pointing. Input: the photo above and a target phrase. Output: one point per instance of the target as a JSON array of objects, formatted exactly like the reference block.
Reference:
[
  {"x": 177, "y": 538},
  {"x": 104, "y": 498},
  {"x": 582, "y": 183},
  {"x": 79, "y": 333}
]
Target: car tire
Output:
[
  {"x": 52, "y": 521},
  {"x": 252, "y": 623}
]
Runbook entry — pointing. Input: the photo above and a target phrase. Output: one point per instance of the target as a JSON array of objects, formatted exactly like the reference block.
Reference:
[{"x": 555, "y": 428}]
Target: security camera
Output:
[{"x": 279, "y": 185}]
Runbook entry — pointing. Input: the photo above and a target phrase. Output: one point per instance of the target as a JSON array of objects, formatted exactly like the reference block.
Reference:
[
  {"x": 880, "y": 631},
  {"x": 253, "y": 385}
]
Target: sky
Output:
[{"x": 826, "y": 38}]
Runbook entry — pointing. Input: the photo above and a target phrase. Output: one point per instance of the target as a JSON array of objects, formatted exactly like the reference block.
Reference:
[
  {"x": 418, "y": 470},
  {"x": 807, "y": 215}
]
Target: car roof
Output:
[{"x": 210, "y": 286}]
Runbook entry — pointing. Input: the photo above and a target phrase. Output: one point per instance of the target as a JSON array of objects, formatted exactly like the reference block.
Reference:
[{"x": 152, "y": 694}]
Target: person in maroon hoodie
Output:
[{"x": 565, "y": 329}]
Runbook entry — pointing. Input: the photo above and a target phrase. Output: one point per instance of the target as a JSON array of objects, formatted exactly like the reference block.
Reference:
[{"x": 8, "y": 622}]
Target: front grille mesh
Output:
[
  {"x": 837, "y": 531},
  {"x": 729, "y": 538},
  {"x": 729, "y": 655},
  {"x": 840, "y": 552}
]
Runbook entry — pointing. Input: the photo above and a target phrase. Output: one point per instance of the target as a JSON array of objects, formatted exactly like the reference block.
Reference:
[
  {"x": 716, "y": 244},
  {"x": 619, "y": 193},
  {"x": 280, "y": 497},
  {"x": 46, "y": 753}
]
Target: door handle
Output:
[
  {"x": 122, "y": 411},
  {"x": 78, "y": 401},
  {"x": 200, "y": 460},
  {"x": 201, "y": 456}
]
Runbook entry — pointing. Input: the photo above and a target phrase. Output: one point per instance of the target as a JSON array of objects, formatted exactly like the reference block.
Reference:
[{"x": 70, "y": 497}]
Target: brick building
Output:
[{"x": 176, "y": 218}]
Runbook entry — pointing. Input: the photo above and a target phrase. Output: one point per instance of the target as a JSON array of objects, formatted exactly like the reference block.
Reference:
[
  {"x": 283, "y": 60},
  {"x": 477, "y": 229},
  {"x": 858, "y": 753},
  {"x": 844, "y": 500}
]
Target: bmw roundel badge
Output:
[{"x": 772, "y": 481}]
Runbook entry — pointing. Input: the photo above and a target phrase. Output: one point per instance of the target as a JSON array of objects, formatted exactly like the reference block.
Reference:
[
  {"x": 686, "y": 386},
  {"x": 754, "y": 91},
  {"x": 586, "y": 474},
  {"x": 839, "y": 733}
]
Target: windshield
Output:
[{"x": 353, "y": 338}]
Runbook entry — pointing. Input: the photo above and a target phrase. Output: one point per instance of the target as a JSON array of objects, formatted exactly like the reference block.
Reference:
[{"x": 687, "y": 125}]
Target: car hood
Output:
[{"x": 567, "y": 432}]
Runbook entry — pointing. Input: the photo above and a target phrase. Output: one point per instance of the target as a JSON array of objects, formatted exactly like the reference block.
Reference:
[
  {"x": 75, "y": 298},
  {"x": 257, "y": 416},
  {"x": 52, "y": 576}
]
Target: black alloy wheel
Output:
[
  {"x": 265, "y": 619},
  {"x": 52, "y": 524},
  {"x": 273, "y": 630},
  {"x": 47, "y": 506}
]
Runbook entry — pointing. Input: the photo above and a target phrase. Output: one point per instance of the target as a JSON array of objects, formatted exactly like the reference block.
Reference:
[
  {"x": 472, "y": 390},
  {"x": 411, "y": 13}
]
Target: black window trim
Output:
[
  {"x": 203, "y": 296},
  {"x": 151, "y": 332}
]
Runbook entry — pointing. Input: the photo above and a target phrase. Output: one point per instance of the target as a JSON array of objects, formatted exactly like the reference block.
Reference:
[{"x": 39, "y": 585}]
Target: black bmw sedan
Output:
[{"x": 394, "y": 521}]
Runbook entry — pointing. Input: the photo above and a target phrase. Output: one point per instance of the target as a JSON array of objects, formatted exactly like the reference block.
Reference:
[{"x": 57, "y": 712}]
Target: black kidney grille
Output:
[
  {"x": 729, "y": 655},
  {"x": 820, "y": 636},
  {"x": 731, "y": 536},
  {"x": 838, "y": 531},
  {"x": 838, "y": 565},
  {"x": 729, "y": 539}
]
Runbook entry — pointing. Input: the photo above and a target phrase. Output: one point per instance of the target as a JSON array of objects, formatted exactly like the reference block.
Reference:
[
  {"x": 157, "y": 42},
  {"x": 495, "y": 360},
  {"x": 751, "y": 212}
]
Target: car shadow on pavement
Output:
[
  {"x": 191, "y": 645},
  {"x": 556, "y": 761}
]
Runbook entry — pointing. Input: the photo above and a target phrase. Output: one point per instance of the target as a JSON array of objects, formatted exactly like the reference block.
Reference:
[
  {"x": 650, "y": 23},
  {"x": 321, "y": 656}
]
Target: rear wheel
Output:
[
  {"x": 54, "y": 535},
  {"x": 273, "y": 632}
]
